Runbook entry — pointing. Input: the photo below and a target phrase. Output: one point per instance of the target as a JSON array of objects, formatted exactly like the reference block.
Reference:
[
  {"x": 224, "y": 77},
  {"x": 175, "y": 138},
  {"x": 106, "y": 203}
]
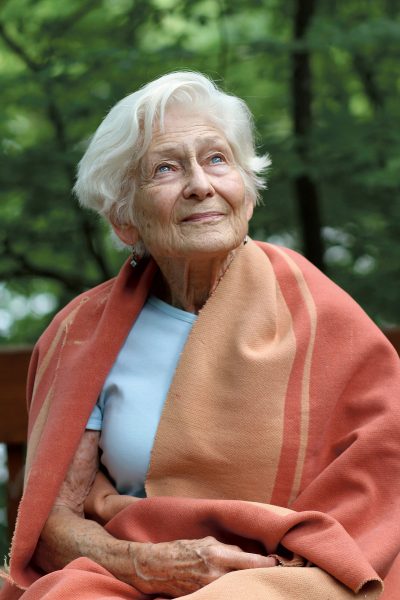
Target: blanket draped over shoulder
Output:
[{"x": 280, "y": 433}]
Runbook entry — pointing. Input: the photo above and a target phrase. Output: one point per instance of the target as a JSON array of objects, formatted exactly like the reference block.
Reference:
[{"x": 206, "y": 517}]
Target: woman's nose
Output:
[{"x": 198, "y": 185}]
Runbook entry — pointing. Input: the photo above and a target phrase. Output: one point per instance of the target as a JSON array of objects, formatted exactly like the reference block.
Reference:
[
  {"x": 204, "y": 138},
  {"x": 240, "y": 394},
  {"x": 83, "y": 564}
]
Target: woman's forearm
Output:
[
  {"x": 173, "y": 568},
  {"x": 67, "y": 536},
  {"x": 103, "y": 501}
]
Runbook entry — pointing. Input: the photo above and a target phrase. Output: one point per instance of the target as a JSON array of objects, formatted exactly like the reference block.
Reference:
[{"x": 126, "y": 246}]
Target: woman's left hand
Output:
[{"x": 181, "y": 567}]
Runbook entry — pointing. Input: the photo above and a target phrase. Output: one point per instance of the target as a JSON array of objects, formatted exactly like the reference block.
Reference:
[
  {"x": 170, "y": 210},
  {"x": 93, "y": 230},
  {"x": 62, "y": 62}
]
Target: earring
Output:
[
  {"x": 135, "y": 258},
  {"x": 246, "y": 239}
]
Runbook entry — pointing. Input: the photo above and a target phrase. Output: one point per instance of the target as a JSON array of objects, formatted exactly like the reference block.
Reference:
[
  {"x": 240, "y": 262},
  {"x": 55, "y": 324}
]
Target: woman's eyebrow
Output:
[{"x": 174, "y": 149}]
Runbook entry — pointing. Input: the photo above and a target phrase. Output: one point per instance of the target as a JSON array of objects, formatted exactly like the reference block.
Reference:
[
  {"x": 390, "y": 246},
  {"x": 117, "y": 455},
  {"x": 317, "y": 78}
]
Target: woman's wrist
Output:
[
  {"x": 130, "y": 571},
  {"x": 119, "y": 557}
]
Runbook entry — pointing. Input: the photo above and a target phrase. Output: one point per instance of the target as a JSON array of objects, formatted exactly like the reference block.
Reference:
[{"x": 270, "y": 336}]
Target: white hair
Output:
[{"x": 106, "y": 174}]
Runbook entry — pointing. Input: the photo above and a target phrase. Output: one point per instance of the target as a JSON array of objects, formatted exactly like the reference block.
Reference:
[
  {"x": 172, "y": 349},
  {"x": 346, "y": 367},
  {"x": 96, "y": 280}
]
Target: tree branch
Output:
[
  {"x": 74, "y": 285},
  {"x": 139, "y": 13},
  {"x": 305, "y": 188},
  {"x": 367, "y": 78},
  {"x": 223, "y": 51},
  {"x": 57, "y": 122},
  {"x": 19, "y": 50},
  {"x": 25, "y": 267},
  {"x": 73, "y": 19}
]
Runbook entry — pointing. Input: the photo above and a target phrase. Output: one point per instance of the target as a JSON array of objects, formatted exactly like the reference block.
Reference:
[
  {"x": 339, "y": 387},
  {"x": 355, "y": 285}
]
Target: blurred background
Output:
[{"x": 322, "y": 79}]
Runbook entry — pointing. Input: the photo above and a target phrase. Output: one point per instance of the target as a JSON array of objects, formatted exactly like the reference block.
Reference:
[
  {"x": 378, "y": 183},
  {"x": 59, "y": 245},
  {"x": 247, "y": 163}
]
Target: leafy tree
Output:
[
  {"x": 320, "y": 77},
  {"x": 62, "y": 66}
]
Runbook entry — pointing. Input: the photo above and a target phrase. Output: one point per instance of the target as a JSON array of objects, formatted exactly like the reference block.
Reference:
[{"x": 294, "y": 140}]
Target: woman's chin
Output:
[{"x": 210, "y": 245}]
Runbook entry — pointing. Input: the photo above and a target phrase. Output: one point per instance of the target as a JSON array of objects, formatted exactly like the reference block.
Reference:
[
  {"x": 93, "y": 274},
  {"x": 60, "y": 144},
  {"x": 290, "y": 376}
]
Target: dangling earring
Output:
[
  {"x": 246, "y": 239},
  {"x": 135, "y": 258}
]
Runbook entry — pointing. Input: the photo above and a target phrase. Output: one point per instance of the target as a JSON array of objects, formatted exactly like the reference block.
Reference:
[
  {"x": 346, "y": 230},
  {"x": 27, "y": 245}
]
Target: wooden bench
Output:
[{"x": 13, "y": 419}]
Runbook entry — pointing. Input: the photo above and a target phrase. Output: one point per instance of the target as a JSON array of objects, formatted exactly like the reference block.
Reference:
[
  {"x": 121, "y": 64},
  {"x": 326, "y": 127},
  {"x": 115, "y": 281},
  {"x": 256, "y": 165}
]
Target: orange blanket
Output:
[
  {"x": 255, "y": 527},
  {"x": 285, "y": 394}
]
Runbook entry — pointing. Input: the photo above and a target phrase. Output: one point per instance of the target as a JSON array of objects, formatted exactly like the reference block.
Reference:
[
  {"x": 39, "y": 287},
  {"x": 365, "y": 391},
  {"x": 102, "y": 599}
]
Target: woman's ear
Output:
[
  {"x": 249, "y": 207},
  {"x": 128, "y": 234}
]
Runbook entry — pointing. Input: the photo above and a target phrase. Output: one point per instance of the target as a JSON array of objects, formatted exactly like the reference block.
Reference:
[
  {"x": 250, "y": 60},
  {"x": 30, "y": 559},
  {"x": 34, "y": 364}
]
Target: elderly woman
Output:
[{"x": 240, "y": 405}]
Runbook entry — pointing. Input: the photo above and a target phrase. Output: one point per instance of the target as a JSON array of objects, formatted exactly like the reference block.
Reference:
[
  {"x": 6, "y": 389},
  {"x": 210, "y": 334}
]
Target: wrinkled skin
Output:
[
  {"x": 191, "y": 209},
  {"x": 172, "y": 568},
  {"x": 181, "y": 567}
]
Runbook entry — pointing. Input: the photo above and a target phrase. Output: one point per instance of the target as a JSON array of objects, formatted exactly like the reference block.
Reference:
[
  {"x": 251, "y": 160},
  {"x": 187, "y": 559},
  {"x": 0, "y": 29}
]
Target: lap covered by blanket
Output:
[
  {"x": 255, "y": 528},
  {"x": 285, "y": 397}
]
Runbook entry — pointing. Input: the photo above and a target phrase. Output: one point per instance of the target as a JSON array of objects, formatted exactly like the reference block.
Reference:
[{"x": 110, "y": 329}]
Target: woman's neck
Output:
[{"x": 187, "y": 284}]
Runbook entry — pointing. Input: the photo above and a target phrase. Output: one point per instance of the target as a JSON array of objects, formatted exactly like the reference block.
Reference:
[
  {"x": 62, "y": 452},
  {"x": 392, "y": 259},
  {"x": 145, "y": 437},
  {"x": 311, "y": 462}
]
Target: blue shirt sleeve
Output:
[{"x": 95, "y": 421}]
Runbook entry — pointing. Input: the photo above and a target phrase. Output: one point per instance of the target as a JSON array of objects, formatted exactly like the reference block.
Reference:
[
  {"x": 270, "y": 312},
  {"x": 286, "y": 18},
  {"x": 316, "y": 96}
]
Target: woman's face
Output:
[{"x": 191, "y": 198}]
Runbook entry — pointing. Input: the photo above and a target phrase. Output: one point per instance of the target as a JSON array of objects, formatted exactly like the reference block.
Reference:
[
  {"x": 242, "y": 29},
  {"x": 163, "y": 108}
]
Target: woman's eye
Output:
[
  {"x": 164, "y": 168},
  {"x": 217, "y": 159}
]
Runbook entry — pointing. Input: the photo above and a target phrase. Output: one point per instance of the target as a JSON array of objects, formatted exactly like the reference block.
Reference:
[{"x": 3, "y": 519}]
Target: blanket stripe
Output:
[
  {"x": 296, "y": 421},
  {"x": 305, "y": 388}
]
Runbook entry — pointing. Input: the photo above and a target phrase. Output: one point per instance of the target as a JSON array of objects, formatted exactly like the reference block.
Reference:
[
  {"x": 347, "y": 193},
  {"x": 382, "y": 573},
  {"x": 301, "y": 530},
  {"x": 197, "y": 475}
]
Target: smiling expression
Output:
[{"x": 191, "y": 199}]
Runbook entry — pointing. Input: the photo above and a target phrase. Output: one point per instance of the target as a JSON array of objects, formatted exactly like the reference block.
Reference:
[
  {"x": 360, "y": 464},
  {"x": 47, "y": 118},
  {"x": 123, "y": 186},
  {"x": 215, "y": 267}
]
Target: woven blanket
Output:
[{"x": 285, "y": 397}]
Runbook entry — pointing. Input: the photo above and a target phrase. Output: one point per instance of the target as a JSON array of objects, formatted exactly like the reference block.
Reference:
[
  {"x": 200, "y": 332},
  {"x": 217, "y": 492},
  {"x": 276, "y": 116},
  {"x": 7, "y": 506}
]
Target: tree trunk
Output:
[{"x": 305, "y": 189}]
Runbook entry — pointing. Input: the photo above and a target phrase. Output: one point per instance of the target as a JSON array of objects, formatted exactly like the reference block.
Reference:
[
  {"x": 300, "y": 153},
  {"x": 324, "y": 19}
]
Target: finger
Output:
[{"x": 247, "y": 560}]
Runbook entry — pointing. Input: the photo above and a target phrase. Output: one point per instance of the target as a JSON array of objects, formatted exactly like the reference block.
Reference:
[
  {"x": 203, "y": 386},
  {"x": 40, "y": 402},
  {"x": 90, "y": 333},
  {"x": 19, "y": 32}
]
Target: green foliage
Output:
[{"x": 63, "y": 65}]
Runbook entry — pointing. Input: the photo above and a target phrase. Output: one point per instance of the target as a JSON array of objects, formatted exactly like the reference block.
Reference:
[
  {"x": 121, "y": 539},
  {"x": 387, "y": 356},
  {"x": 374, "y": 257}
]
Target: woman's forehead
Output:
[
  {"x": 195, "y": 143},
  {"x": 185, "y": 131},
  {"x": 184, "y": 121}
]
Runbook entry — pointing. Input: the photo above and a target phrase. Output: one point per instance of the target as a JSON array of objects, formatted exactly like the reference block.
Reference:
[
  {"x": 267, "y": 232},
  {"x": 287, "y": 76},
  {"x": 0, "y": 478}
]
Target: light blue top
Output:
[{"x": 129, "y": 407}]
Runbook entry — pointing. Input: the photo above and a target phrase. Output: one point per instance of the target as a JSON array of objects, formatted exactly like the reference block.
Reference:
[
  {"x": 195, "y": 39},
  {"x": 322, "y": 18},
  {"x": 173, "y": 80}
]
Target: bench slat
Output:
[{"x": 13, "y": 417}]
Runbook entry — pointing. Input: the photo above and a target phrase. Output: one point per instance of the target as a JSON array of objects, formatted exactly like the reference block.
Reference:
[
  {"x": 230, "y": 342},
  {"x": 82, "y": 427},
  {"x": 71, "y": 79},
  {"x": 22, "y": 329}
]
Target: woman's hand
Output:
[
  {"x": 170, "y": 568},
  {"x": 184, "y": 566}
]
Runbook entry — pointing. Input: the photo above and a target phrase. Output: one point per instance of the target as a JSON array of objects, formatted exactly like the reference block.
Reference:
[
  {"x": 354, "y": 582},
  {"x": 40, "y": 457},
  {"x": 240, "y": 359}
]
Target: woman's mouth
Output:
[{"x": 203, "y": 217}]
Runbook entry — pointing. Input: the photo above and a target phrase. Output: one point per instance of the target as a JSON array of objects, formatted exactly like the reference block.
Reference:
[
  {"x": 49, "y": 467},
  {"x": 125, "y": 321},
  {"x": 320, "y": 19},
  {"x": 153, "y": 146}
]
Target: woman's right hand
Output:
[{"x": 181, "y": 567}]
